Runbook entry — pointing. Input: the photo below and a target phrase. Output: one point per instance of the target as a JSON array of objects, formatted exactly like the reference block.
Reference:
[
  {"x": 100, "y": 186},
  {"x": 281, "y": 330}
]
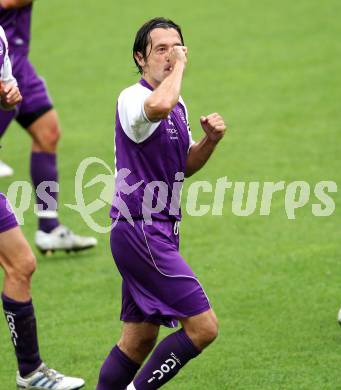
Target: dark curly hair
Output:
[{"x": 142, "y": 38}]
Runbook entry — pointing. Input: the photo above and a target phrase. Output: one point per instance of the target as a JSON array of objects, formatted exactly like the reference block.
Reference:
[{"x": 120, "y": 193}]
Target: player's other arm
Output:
[
  {"x": 214, "y": 127},
  {"x": 9, "y": 96},
  {"x": 7, "y": 4},
  {"x": 163, "y": 99},
  {"x": 9, "y": 92}
]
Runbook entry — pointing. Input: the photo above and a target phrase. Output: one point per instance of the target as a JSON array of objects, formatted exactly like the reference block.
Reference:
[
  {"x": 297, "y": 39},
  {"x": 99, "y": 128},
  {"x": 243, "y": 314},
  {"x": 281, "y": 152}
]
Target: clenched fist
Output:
[
  {"x": 214, "y": 126},
  {"x": 10, "y": 95},
  {"x": 178, "y": 53}
]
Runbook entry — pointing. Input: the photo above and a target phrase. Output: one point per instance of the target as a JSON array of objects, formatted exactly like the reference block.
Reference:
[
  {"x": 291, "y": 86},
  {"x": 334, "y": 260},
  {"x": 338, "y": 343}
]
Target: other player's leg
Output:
[
  {"x": 39, "y": 118},
  {"x": 18, "y": 262},
  {"x": 51, "y": 235}
]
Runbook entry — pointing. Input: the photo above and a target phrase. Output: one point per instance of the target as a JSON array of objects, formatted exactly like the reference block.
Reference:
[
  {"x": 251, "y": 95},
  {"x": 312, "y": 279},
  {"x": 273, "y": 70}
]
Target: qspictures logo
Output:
[{"x": 240, "y": 198}]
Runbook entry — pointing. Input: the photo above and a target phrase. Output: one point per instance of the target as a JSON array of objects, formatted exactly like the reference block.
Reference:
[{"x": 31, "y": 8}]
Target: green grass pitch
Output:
[{"x": 272, "y": 69}]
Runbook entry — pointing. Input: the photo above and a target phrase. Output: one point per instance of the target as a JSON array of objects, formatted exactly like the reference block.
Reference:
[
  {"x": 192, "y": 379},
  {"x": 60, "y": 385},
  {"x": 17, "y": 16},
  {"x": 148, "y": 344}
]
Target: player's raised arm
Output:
[
  {"x": 161, "y": 57},
  {"x": 7, "y": 4},
  {"x": 163, "y": 99},
  {"x": 214, "y": 127}
]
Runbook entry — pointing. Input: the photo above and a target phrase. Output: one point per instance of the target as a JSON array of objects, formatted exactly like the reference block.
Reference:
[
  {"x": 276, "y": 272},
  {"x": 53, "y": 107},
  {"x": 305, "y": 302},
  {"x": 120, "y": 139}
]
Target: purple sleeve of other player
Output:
[{"x": 17, "y": 25}]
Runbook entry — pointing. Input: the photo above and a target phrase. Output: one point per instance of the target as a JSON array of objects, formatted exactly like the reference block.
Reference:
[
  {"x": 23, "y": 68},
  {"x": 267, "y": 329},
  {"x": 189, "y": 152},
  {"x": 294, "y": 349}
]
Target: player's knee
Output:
[
  {"x": 214, "y": 328},
  {"x": 208, "y": 332},
  {"x": 23, "y": 268},
  {"x": 30, "y": 265},
  {"x": 47, "y": 139},
  {"x": 52, "y": 137}
]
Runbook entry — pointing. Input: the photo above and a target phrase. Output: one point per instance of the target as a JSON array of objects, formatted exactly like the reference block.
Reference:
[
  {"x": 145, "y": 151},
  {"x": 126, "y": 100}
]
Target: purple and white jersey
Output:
[
  {"x": 17, "y": 24},
  {"x": 149, "y": 152},
  {"x": 3, "y": 48},
  {"x": 5, "y": 64}
]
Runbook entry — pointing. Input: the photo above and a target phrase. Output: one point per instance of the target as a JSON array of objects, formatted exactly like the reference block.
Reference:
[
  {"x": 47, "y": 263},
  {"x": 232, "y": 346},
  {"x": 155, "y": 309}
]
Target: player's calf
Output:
[
  {"x": 139, "y": 351},
  {"x": 139, "y": 348},
  {"x": 138, "y": 345}
]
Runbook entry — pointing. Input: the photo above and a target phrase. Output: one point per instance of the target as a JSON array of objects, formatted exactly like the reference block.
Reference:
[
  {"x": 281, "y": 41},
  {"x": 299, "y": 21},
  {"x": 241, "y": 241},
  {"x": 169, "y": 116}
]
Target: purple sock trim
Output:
[
  {"x": 10, "y": 304},
  {"x": 44, "y": 169},
  {"x": 124, "y": 358},
  {"x": 13, "y": 302},
  {"x": 48, "y": 224},
  {"x": 181, "y": 334}
]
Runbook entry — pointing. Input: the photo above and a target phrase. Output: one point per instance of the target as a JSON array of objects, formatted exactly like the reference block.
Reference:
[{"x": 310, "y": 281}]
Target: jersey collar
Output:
[{"x": 144, "y": 83}]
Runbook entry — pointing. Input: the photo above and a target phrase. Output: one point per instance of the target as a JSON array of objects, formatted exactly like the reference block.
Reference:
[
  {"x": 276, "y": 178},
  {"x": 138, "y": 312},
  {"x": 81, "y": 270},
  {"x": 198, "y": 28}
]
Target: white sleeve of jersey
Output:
[
  {"x": 131, "y": 113},
  {"x": 6, "y": 70},
  {"x": 191, "y": 141}
]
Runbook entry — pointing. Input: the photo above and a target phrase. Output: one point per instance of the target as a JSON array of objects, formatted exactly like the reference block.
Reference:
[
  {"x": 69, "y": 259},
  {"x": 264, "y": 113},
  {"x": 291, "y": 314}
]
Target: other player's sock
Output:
[
  {"x": 117, "y": 371},
  {"x": 23, "y": 329},
  {"x": 44, "y": 169},
  {"x": 171, "y": 354}
]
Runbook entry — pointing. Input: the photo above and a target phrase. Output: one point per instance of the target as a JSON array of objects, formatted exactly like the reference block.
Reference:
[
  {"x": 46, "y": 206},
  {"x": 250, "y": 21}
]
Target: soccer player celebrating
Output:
[
  {"x": 18, "y": 262},
  {"x": 153, "y": 142},
  {"x": 37, "y": 116}
]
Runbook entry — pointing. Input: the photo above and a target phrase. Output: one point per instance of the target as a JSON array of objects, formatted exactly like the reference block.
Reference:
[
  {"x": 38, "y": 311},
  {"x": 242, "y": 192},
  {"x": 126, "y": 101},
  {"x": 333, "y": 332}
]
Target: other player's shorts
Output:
[
  {"x": 36, "y": 100},
  {"x": 7, "y": 217},
  {"x": 158, "y": 285}
]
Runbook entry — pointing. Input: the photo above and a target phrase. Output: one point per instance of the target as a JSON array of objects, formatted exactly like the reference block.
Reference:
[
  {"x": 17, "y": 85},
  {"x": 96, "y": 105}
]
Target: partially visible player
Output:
[
  {"x": 18, "y": 262},
  {"x": 37, "y": 116},
  {"x": 153, "y": 142}
]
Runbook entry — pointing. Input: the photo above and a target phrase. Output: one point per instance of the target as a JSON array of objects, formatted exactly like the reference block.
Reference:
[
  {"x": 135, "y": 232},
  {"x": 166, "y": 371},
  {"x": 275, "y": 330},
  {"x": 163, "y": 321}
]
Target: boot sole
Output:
[{"x": 50, "y": 252}]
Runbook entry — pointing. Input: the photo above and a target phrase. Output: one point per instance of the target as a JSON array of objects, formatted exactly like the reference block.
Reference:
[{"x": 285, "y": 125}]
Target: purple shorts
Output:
[
  {"x": 36, "y": 100},
  {"x": 7, "y": 217},
  {"x": 158, "y": 285}
]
